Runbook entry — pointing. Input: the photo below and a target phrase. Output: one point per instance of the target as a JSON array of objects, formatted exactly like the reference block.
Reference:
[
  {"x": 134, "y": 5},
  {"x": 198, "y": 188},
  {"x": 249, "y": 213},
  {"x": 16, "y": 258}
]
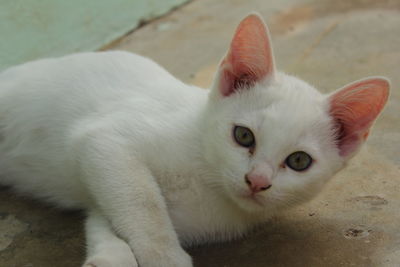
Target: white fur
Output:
[{"x": 151, "y": 159}]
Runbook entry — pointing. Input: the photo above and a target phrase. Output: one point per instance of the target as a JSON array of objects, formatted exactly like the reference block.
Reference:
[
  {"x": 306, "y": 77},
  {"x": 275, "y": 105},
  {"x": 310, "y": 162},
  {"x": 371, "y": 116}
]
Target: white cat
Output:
[{"x": 157, "y": 163}]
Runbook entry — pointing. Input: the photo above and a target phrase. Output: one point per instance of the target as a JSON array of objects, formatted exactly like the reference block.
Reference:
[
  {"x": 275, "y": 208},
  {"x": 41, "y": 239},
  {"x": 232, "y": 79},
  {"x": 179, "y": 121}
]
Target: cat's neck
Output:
[{"x": 180, "y": 151}]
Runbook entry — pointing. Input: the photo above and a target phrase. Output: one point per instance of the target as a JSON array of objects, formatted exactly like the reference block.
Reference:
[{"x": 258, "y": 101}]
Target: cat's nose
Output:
[{"x": 257, "y": 182}]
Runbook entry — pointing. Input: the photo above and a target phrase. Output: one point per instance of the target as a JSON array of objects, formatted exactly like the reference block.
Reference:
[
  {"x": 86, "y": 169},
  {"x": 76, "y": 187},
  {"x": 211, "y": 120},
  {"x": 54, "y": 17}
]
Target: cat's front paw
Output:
[
  {"x": 166, "y": 257},
  {"x": 103, "y": 260}
]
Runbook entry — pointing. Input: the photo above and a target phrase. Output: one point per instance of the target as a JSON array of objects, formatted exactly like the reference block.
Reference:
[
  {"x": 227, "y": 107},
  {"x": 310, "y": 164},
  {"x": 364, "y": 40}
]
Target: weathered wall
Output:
[{"x": 34, "y": 29}]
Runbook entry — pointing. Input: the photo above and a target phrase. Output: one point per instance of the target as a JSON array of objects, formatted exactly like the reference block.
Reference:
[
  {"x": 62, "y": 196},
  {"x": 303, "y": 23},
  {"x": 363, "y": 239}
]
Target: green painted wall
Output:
[{"x": 31, "y": 29}]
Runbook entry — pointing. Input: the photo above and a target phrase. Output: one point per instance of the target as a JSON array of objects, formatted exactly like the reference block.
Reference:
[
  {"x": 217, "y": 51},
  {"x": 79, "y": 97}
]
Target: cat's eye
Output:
[
  {"x": 244, "y": 136},
  {"x": 299, "y": 161}
]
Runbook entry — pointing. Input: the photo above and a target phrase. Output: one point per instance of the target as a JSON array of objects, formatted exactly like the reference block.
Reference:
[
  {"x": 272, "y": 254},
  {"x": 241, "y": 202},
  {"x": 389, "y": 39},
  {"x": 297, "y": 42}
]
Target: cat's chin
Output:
[
  {"x": 252, "y": 202},
  {"x": 254, "y": 199}
]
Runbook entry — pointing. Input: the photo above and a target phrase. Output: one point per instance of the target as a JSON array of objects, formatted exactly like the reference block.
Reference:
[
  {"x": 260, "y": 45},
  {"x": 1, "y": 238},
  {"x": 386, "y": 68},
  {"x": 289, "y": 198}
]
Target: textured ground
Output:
[{"x": 354, "y": 222}]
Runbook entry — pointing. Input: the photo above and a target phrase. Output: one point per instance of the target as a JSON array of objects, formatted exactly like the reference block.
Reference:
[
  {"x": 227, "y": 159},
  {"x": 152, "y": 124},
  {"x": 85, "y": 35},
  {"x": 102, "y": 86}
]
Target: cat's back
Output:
[
  {"x": 97, "y": 73},
  {"x": 43, "y": 104},
  {"x": 70, "y": 87}
]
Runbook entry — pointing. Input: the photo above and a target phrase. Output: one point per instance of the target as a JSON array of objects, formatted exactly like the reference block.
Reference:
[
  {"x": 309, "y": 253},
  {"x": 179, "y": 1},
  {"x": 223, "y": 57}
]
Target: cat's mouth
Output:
[{"x": 254, "y": 198}]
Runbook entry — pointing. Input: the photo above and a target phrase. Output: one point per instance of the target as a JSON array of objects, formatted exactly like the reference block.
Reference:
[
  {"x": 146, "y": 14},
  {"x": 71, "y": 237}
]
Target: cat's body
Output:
[
  {"x": 153, "y": 160},
  {"x": 87, "y": 107},
  {"x": 49, "y": 156}
]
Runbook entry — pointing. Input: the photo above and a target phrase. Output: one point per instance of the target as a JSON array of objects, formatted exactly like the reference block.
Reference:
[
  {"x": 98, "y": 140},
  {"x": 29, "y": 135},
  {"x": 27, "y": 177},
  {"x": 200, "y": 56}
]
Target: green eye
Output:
[
  {"x": 299, "y": 161},
  {"x": 243, "y": 136}
]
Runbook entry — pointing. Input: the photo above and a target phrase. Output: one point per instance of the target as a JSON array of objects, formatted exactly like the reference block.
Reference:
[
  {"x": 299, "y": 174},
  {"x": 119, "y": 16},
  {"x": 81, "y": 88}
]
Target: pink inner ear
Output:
[
  {"x": 249, "y": 58},
  {"x": 355, "y": 108}
]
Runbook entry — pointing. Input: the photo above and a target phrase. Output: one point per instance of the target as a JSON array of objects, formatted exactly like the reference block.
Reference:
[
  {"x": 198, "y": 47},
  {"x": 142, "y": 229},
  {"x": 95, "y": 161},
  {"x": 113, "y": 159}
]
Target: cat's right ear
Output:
[
  {"x": 248, "y": 60},
  {"x": 354, "y": 108}
]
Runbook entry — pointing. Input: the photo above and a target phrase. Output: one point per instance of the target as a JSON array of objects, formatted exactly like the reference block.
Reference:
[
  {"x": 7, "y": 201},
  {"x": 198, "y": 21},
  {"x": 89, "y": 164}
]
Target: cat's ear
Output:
[
  {"x": 354, "y": 109},
  {"x": 249, "y": 58}
]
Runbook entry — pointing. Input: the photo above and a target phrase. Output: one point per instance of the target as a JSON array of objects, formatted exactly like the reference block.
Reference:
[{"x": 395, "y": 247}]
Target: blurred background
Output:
[
  {"x": 43, "y": 28},
  {"x": 329, "y": 43}
]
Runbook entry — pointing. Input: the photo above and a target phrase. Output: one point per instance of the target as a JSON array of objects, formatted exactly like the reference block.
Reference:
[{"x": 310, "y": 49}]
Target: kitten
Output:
[{"x": 157, "y": 163}]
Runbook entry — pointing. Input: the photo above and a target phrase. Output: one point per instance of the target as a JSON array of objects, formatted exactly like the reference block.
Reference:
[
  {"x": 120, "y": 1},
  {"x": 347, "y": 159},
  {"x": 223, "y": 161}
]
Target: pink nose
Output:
[{"x": 257, "y": 183}]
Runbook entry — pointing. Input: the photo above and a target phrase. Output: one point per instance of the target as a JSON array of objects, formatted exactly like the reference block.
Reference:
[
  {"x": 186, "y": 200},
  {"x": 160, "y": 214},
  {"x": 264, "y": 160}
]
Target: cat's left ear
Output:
[
  {"x": 248, "y": 60},
  {"x": 354, "y": 108}
]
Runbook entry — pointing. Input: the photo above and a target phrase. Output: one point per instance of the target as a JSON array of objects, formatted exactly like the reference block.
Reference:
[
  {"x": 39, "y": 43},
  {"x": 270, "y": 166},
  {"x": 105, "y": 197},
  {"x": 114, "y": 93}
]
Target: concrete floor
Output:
[{"x": 355, "y": 221}]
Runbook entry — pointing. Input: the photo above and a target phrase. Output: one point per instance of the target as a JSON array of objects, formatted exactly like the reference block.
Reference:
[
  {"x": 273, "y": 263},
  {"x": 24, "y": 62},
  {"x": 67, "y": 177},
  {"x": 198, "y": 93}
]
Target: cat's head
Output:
[{"x": 273, "y": 139}]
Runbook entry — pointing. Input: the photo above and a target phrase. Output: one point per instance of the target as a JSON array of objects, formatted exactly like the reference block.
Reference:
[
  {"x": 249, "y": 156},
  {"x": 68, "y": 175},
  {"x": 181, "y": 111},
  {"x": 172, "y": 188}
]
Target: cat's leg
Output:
[
  {"x": 104, "y": 248},
  {"x": 129, "y": 197}
]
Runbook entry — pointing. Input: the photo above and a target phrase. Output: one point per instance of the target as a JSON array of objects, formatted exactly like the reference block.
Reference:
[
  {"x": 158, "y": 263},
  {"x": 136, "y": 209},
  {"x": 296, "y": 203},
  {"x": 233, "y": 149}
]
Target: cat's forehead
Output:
[
  {"x": 285, "y": 103},
  {"x": 286, "y": 96},
  {"x": 290, "y": 89},
  {"x": 285, "y": 109},
  {"x": 290, "y": 116},
  {"x": 285, "y": 114}
]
